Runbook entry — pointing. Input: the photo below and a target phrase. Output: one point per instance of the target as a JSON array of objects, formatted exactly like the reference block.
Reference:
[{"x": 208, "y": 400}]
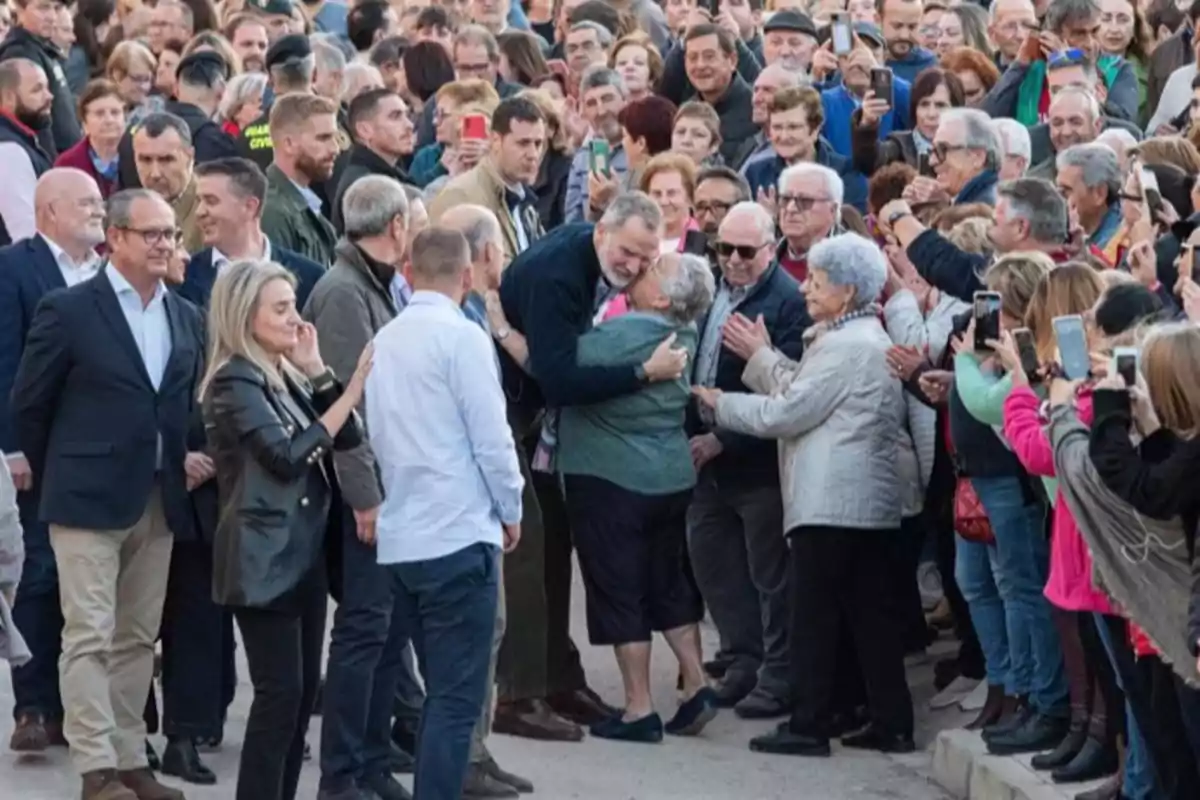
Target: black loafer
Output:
[
  {"x": 784, "y": 742},
  {"x": 872, "y": 738},
  {"x": 1060, "y": 756},
  {"x": 1008, "y": 723},
  {"x": 761, "y": 705},
  {"x": 693, "y": 714},
  {"x": 647, "y": 729},
  {"x": 1040, "y": 732},
  {"x": 183, "y": 761},
  {"x": 1094, "y": 760},
  {"x": 733, "y": 688}
]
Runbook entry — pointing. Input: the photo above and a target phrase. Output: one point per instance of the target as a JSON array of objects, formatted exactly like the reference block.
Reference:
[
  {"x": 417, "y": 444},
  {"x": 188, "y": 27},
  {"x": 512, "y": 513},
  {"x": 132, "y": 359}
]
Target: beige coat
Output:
[
  {"x": 481, "y": 186},
  {"x": 838, "y": 415}
]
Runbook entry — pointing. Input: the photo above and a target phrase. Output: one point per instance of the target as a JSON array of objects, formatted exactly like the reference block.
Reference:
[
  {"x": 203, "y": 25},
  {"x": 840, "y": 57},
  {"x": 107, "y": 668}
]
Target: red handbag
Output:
[{"x": 970, "y": 519}]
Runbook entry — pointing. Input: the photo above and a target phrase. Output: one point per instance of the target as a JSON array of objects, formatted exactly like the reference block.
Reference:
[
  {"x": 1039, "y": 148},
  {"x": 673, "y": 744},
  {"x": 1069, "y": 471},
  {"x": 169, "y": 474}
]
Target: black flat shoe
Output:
[
  {"x": 783, "y": 742},
  {"x": 522, "y": 785},
  {"x": 733, "y": 688},
  {"x": 182, "y": 760},
  {"x": 693, "y": 714},
  {"x": 1060, "y": 756},
  {"x": 872, "y": 738},
  {"x": 849, "y": 722},
  {"x": 1040, "y": 732},
  {"x": 1094, "y": 760},
  {"x": 716, "y": 668},
  {"x": 400, "y": 761},
  {"x": 1014, "y": 715},
  {"x": 647, "y": 729}
]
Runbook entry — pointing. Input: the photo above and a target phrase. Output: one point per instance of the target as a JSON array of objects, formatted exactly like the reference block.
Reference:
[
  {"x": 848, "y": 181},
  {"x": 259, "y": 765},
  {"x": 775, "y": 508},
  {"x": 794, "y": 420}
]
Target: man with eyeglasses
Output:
[
  {"x": 809, "y": 204},
  {"x": 25, "y": 103},
  {"x": 718, "y": 190},
  {"x": 587, "y": 44},
  {"x": 103, "y": 398},
  {"x": 1069, "y": 37},
  {"x": 1009, "y": 21},
  {"x": 736, "y": 513},
  {"x": 30, "y": 39}
]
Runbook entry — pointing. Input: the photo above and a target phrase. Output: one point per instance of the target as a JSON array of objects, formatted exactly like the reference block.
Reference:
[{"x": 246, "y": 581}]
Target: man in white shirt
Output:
[{"x": 452, "y": 495}]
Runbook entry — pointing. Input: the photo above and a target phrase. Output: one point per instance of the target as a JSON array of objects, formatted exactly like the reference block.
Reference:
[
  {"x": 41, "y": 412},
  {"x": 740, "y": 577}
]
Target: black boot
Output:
[
  {"x": 1040, "y": 732},
  {"x": 992, "y": 711},
  {"x": 183, "y": 761},
  {"x": 1060, "y": 756},
  {"x": 1015, "y": 713},
  {"x": 1095, "y": 760}
]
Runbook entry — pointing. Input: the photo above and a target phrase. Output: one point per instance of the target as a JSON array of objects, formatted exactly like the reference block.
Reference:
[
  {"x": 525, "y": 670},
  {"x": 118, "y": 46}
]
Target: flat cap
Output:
[
  {"x": 290, "y": 48},
  {"x": 791, "y": 20}
]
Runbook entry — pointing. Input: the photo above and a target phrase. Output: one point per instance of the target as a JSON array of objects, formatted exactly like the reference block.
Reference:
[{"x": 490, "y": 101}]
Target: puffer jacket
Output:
[{"x": 839, "y": 416}]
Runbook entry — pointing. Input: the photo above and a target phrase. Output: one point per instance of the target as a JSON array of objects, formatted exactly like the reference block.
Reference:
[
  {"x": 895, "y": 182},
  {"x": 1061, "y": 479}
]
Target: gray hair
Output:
[
  {"x": 477, "y": 224},
  {"x": 851, "y": 260},
  {"x": 1014, "y": 138},
  {"x": 240, "y": 90},
  {"x": 480, "y": 36},
  {"x": 631, "y": 205},
  {"x": 603, "y": 34},
  {"x": 598, "y": 76},
  {"x": 1097, "y": 164},
  {"x": 757, "y": 213},
  {"x": 328, "y": 57},
  {"x": 1038, "y": 202},
  {"x": 1088, "y": 98},
  {"x": 791, "y": 77},
  {"x": 833, "y": 182},
  {"x": 1061, "y": 13},
  {"x": 370, "y": 205},
  {"x": 689, "y": 288},
  {"x": 118, "y": 212},
  {"x": 1117, "y": 137},
  {"x": 978, "y": 132},
  {"x": 157, "y": 123}
]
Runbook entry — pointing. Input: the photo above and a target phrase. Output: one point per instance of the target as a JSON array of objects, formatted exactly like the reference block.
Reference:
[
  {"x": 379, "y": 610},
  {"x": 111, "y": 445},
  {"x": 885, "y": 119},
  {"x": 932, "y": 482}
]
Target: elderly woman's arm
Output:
[{"x": 813, "y": 394}]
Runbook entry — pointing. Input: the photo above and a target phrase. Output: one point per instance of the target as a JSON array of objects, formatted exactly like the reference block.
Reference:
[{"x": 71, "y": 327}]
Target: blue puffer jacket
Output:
[{"x": 762, "y": 171}]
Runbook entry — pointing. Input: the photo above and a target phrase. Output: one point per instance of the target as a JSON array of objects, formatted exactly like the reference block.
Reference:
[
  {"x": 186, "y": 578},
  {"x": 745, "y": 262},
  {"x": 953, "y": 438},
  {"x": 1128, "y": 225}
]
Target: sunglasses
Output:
[
  {"x": 744, "y": 251},
  {"x": 1066, "y": 58}
]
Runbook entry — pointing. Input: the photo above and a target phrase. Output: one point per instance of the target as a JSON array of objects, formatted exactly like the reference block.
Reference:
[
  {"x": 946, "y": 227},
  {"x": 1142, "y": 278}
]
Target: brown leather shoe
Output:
[
  {"x": 103, "y": 784},
  {"x": 582, "y": 706},
  {"x": 54, "y": 733},
  {"x": 146, "y": 787},
  {"x": 534, "y": 719},
  {"x": 29, "y": 734}
]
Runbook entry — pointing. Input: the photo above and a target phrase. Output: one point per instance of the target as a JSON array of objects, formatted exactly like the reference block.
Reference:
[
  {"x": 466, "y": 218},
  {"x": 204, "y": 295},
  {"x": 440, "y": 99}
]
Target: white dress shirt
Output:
[
  {"x": 72, "y": 272},
  {"x": 220, "y": 261},
  {"x": 438, "y": 426}
]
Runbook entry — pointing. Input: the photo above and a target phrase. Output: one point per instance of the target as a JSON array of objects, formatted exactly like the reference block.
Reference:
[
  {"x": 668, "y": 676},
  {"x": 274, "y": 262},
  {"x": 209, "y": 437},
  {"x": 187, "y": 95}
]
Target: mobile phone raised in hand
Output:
[
  {"x": 1072, "y": 347},
  {"x": 987, "y": 320},
  {"x": 842, "y": 33},
  {"x": 1027, "y": 351},
  {"x": 599, "y": 157},
  {"x": 1125, "y": 363},
  {"x": 474, "y": 126},
  {"x": 881, "y": 84},
  {"x": 695, "y": 243},
  {"x": 923, "y": 165}
]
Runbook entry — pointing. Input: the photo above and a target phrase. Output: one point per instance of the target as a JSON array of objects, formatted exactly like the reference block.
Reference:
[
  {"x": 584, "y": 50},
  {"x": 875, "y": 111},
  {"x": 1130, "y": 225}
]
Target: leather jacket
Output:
[{"x": 276, "y": 482}]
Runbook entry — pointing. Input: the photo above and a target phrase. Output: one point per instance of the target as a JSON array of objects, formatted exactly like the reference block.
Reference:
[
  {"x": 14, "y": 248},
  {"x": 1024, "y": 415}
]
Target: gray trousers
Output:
[{"x": 740, "y": 560}]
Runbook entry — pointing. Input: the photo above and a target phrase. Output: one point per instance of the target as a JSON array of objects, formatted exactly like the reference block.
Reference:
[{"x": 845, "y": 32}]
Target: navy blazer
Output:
[
  {"x": 88, "y": 418},
  {"x": 201, "y": 275}
]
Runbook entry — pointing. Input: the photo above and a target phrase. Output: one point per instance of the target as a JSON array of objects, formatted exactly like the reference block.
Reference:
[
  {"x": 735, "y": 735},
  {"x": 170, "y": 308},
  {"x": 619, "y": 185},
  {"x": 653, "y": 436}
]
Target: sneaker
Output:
[
  {"x": 929, "y": 583},
  {"x": 959, "y": 688},
  {"x": 977, "y": 699}
]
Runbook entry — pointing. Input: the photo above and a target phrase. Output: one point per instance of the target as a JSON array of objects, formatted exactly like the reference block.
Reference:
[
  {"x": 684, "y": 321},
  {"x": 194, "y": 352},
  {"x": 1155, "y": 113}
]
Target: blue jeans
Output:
[
  {"x": 1138, "y": 780},
  {"x": 973, "y": 573},
  {"x": 449, "y": 606},
  {"x": 366, "y": 662},
  {"x": 1020, "y": 563}
]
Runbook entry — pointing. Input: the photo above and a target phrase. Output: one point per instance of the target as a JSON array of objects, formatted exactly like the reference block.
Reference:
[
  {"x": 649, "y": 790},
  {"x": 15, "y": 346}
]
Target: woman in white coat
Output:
[{"x": 839, "y": 416}]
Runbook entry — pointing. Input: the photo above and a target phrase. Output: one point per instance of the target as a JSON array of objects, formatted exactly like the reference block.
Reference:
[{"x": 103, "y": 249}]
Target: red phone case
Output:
[{"x": 474, "y": 127}]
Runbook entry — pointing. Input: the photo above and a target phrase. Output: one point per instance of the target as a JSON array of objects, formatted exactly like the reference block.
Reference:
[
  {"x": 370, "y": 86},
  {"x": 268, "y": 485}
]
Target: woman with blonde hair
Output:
[
  {"x": 1071, "y": 288},
  {"x": 638, "y": 62},
  {"x": 274, "y": 414},
  {"x": 1174, "y": 150},
  {"x": 131, "y": 66},
  {"x": 242, "y": 102}
]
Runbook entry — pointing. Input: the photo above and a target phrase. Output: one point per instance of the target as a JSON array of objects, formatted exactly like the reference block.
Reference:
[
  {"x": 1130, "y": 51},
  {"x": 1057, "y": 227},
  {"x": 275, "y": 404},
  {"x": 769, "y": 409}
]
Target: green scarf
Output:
[{"x": 1030, "y": 93}]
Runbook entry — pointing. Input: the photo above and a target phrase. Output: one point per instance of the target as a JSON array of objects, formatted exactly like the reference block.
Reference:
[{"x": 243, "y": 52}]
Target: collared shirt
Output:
[
  {"x": 401, "y": 291},
  {"x": 310, "y": 197},
  {"x": 513, "y": 199},
  {"x": 73, "y": 273},
  {"x": 221, "y": 261},
  {"x": 437, "y": 422}
]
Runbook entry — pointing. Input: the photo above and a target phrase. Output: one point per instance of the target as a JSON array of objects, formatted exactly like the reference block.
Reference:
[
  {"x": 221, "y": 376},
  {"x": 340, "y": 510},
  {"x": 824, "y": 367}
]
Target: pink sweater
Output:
[{"x": 1070, "y": 583}]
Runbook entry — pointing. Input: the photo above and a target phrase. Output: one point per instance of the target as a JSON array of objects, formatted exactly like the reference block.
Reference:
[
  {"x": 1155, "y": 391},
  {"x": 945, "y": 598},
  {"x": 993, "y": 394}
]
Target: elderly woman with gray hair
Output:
[
  {"x": 628, "y": 474},
  {"x": 839, "y": 417}
]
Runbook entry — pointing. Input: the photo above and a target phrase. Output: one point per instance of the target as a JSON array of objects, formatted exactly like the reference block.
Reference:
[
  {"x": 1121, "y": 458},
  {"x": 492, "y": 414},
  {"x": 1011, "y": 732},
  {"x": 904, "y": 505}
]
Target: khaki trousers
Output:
[{"x": 111, "y": 584}]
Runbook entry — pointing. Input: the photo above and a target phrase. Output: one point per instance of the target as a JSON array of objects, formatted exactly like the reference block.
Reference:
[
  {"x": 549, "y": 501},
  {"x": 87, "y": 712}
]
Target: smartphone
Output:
[
  {"x": 696, "y": 243},
  {"x": 1125, "y": 363},
  {"x": 713, "y": 6},
  {"x": 599, "y": 157},
  {"x": 881, "y": 84},
  {"x": 1028, "y": 352},
  {"x": 987, "y": 319},
  {"x": 474, "y": 126},
  {"x": 1072, "y": 347},
  {"x": 923, "y": 166},
  {"x": 843, "y": 34}
]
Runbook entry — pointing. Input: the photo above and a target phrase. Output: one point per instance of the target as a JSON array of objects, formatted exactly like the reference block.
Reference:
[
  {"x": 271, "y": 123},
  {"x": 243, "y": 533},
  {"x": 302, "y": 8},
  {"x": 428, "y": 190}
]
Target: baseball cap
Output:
[
  {"x": 293, "y": 47},
  {"x": 280, "y": 7},
  {"x": 206, "y": 63},
  {"x": 869, "y": 32}
]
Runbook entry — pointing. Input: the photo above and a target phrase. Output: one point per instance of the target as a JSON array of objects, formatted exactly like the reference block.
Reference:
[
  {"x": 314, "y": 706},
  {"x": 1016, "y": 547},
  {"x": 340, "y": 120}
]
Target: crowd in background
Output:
[{"x": 841, "y": 324}]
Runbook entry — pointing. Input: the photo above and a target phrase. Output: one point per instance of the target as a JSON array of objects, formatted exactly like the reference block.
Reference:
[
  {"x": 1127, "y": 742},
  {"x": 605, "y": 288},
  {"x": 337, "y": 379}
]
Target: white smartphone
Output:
[{"x": 1072, "y": 347}]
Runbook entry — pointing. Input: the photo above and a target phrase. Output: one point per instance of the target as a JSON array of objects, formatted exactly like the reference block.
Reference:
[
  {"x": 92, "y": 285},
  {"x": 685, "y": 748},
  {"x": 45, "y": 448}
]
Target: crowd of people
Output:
[{"x": 842, "y": 324}]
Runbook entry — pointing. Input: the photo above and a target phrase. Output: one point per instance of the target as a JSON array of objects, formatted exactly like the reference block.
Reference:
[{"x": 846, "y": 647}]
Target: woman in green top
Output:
[{"x": 628, "y": 474}]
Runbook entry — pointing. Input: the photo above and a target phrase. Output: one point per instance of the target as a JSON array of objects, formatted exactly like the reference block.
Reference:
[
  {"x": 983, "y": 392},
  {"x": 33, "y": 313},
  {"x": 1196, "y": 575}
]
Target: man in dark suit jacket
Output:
[
  {"x": 102, "y": 402},
  {"x": 69, "y": 213},
  {"x": 231, "y": 193},
  {"x": 736, "y": 513}
]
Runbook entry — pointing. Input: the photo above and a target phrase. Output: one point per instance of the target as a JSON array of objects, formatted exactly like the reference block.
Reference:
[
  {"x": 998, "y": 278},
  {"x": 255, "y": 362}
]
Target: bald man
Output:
[
  {"x": 68, "y": 214},
  {"x": 25, "y": 101}
]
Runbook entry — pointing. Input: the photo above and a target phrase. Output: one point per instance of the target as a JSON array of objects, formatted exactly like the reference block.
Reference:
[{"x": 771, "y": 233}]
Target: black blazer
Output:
[
  {"x": 276, "y": 483},
  {"x": 89, "y": 419},
  {"x": 200, "y": 276}
]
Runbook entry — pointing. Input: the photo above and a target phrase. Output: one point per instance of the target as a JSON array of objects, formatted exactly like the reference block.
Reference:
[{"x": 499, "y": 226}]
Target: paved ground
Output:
[{"x": 716, "y": 766}]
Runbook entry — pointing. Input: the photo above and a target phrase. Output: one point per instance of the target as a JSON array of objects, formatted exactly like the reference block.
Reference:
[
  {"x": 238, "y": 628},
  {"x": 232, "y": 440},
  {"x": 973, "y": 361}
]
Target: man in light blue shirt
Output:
[{"x": 452, "y": 485}]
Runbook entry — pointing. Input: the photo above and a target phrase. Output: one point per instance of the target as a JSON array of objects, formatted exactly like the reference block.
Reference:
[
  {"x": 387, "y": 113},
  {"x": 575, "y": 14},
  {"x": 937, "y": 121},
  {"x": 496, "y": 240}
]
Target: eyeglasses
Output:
[
  {"x": 745, "y": 251},
  {"x": 1066, "y": 58},
  {"x": 1130, "y": 196},
  {"x": 715, "y": 207},
  {"x": 584, "y": 47},
  {"x": 800, "y": 202},
  {"x": 154, "y": 236},
  {"x": 943, "y": 149}
]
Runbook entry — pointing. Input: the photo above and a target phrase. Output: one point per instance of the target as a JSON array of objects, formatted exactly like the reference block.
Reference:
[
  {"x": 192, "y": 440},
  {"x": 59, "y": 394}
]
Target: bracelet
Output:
[{"x": 324, "y": 381}]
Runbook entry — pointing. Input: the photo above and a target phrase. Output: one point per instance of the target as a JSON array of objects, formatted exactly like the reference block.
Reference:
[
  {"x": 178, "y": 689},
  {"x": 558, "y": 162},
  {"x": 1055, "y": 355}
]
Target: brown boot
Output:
[
  {"x": 54, "y": 733},
  {"x": 29, "y": 734},
  {"x": 103, "y": 784},
  {"x": 146, "y": 787},
  {"x": 992, "y": 710}
]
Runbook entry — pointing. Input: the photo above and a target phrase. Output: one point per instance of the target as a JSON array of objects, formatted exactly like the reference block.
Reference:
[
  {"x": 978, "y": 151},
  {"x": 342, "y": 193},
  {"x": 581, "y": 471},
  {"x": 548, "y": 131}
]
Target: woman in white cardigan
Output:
[{"x": 839, "y": 416}]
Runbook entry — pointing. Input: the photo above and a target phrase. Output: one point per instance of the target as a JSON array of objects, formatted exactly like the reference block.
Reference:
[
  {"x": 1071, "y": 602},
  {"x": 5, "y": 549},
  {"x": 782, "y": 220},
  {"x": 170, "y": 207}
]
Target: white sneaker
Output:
[
  {"x": 976, "y": 699},
  {"x": 929, "y": 581},
  {"x": 958, "y": 689}
]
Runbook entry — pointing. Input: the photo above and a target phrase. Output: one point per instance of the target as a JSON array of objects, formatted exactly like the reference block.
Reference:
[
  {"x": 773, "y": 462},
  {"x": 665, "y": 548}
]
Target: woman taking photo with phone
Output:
[
  {"x": 933, "y": 91},
  {"x": 274, "y": 412}
]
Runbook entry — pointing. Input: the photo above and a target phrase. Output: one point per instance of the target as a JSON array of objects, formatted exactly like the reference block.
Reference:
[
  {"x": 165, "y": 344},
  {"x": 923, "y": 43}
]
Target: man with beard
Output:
[
  {"x": 25, "y": 102},
  {"x": 382, "y": 130},
  {"x": 305, "y": 136},
  {"x": 30, "y": 39},
  {"x": 601, "y": 97},
  {"x": 164, "y": 157},
  {"x": 500, "y": 182},
  {"x": 276, "y": 15},
  {"x": 248, "y": 36},
  {"x": 290, "y": 68},
  {"x": 900, "y": 20},
  {"x": 718, "y": 189}
]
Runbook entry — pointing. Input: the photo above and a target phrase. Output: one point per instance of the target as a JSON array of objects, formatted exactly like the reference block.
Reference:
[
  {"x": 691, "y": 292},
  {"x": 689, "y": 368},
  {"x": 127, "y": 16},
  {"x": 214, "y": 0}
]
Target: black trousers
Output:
[
  {"x": 283, "y": 650},
  {"x": 837, "y": 576}
]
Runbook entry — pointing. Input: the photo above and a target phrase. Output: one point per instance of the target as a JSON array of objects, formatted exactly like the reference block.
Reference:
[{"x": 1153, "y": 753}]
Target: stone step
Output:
[{"x": 963, "y": 767}]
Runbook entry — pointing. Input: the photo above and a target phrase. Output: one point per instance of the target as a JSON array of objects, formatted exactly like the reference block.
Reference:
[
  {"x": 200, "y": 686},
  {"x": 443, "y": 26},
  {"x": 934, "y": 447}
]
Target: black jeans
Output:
[
  {"x": 283, "y": 650},
  {"x": 37, "y": 614},
  {"x": 840, "y": 587}
]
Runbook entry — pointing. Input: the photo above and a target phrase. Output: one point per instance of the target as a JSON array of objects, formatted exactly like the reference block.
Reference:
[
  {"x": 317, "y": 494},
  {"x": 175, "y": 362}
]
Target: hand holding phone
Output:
[
  {"x": 1072, "y": 347},
  {"x": 881, "y": 84},
  {"x": 474, "y": 127},
  {"x": 842, "y": 34},
  {"x": 987, "y": 320},
  {"x": 1027, "y": 352},
  {"x": 599, "y": 157},
  {"x": 1125, "y": 363}
]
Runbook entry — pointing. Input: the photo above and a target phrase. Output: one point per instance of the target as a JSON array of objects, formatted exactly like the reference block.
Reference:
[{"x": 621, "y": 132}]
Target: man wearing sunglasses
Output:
[
  {"x": 736, "y": 513},
  {"x": 1068, "y": 38}
]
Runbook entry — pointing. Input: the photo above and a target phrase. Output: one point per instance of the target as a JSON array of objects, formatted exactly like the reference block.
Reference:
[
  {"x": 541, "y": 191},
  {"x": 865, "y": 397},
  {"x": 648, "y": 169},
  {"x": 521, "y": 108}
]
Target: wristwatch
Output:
[
  {"x": 323, "y": 381},
  {"x": 897, "y": 216},
  {"x": 502, "y": 334},
  {"x": 640, "y": 372}
]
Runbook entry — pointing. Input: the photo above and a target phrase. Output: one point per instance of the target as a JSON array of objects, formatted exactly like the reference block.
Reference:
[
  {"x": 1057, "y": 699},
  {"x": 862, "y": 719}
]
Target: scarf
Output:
[
  {"x": 922, "y": 144},
  {"x": 1033, "y": 87},
  {"x": 1141, "y": 563}
]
